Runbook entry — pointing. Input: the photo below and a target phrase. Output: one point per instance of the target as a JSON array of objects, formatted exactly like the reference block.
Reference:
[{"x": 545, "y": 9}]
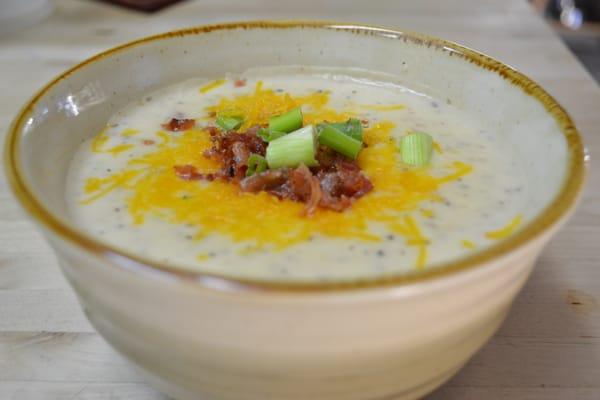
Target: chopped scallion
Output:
[
  {"x": 293, "y": 149},
  {"x": 288, "y": 122},
  {"x": 416, "y": 148},
  {"x": 256, "y": 164},
  {"x": 352, "y": 128},
  {"x": 340, "y": 142},
  {"x": 268, "y": 135},
  {"x": 229, "y": 123}
]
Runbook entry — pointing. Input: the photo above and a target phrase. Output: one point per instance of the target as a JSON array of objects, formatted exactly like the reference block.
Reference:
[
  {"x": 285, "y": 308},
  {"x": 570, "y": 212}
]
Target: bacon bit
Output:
[
  {"x": 187, "y": 172},
  {"x": 148, "y": 142},
  {"x": 240, "y": 153},
  {"x": 268, "y": 180},
  {"x": 239, "y": 83},
  {"x": 179, "y": 124},
  {"x": 306, "y": 185},
  {"x": 212, "y": 131},
  {"x": 190, "y": 173},
  {"x": 364, "y": 123},
  {"x": 232, "y": 149},
  {"x": 342, "y": 182},
  {"x": 335, "y": 184},
  {"x": 212, "y": 114}
]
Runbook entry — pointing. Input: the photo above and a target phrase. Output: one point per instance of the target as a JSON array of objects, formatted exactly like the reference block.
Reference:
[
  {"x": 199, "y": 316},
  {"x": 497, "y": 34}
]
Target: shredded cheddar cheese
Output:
[
  {"x": 262, "y": 104},
  {"x": 212, "y": 85},
  {"x": 101, "y": 187},
  {"x": 467, "y": 244},
  {"x": 202, "y": 257},
  {"x": 99, "y": 142},
  {"x": 506, "y": 230},
  {"x": 218, "y": 207},
  {"x": 130, "y": 132},
  {"x": 380, "y": 107},
  {"x": 427, "y": 213}
]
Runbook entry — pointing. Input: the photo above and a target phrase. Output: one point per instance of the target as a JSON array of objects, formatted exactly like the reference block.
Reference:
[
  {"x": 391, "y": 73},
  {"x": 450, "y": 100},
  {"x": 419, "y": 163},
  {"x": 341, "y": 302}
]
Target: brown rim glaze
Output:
[{"x": 550, "y": 216}]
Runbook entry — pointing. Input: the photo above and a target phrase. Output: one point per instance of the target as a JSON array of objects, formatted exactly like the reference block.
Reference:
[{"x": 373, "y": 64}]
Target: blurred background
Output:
[{"x": 577, "y": 22}]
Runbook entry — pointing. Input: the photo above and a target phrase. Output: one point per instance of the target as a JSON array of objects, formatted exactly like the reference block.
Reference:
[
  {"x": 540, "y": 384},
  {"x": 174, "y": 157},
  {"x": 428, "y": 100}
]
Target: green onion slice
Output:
[
  {"x": 293, "y": 149},
  {"x": 268, "y": 135},
  {"x": 340, "y": 142},
  {"x": 352, "y": 128},
  {"x": 288, "y": 122},
  {"x": 229, "y": 123},
  {"x": 256, "y": 164},
  {"x": 416, "y": 148}
]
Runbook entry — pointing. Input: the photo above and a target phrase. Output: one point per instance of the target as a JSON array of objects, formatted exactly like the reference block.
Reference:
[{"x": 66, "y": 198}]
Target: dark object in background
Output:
[
  {"x": 573, "y": 13},
  {"x": 143, "y": 5},
  {"x": 578, "y": 24}
]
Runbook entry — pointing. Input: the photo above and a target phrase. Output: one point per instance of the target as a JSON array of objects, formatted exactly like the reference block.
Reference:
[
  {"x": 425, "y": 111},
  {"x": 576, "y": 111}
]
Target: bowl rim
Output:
[{"x": 550, "y": 216}]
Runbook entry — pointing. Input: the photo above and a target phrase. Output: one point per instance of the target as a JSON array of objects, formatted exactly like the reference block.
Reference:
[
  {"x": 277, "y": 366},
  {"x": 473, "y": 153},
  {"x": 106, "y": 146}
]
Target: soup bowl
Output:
[{"x": 199, "y": 335}]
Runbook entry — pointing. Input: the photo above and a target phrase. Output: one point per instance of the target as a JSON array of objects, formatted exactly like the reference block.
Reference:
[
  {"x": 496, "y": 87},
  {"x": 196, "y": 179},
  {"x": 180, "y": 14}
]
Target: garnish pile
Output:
[{"x": 313, "y": 165}]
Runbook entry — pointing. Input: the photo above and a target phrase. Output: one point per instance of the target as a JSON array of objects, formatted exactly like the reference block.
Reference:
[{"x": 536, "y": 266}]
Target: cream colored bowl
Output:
[{"x": 210, "y": 337}]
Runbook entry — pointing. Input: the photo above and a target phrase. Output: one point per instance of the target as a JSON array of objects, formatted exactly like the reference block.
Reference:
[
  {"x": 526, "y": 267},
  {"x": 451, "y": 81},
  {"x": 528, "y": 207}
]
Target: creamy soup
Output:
[{"x": 123, "y": 185}]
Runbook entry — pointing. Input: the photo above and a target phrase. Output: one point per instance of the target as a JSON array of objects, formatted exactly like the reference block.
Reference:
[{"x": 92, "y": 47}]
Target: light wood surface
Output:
[{"x": 549, "y": 348}]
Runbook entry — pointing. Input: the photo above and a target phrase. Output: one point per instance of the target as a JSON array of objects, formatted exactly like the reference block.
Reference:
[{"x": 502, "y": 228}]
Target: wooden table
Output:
[{"x": 549, "y": 348}]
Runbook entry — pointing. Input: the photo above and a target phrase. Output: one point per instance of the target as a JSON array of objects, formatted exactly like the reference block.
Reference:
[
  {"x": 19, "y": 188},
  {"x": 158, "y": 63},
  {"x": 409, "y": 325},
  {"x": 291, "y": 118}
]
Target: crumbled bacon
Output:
[
  {"x": 268, "y": 181},
  {"x": 334, "y": 184},
  {"x": 190, "y": 173},
  {"x": 239, "y": 83},
  {"x": 231, "y": 150},
  {"x": 179, "y": 124},
  {"x": 308, "y": 186},
  {"x": 148, "y": 142},
  {"x": 342, "y": 186}
]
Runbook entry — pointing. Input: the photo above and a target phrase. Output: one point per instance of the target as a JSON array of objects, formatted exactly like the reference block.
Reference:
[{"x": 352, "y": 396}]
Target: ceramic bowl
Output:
[{"x": 206, "y": 336}]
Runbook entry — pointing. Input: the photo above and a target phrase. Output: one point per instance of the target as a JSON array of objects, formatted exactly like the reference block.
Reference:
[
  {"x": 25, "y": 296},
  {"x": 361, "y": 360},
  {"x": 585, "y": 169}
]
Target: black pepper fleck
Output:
[{"x": 380, "y": 253}]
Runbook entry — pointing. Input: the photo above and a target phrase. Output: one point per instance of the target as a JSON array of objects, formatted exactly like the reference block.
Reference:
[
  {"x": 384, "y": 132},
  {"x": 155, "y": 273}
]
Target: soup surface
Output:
[{"x": 125, "y": 184}]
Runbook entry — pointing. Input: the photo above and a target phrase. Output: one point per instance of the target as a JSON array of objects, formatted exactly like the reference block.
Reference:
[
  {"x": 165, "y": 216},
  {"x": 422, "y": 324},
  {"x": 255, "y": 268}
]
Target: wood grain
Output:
[{"x": 549, "y": 347}]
